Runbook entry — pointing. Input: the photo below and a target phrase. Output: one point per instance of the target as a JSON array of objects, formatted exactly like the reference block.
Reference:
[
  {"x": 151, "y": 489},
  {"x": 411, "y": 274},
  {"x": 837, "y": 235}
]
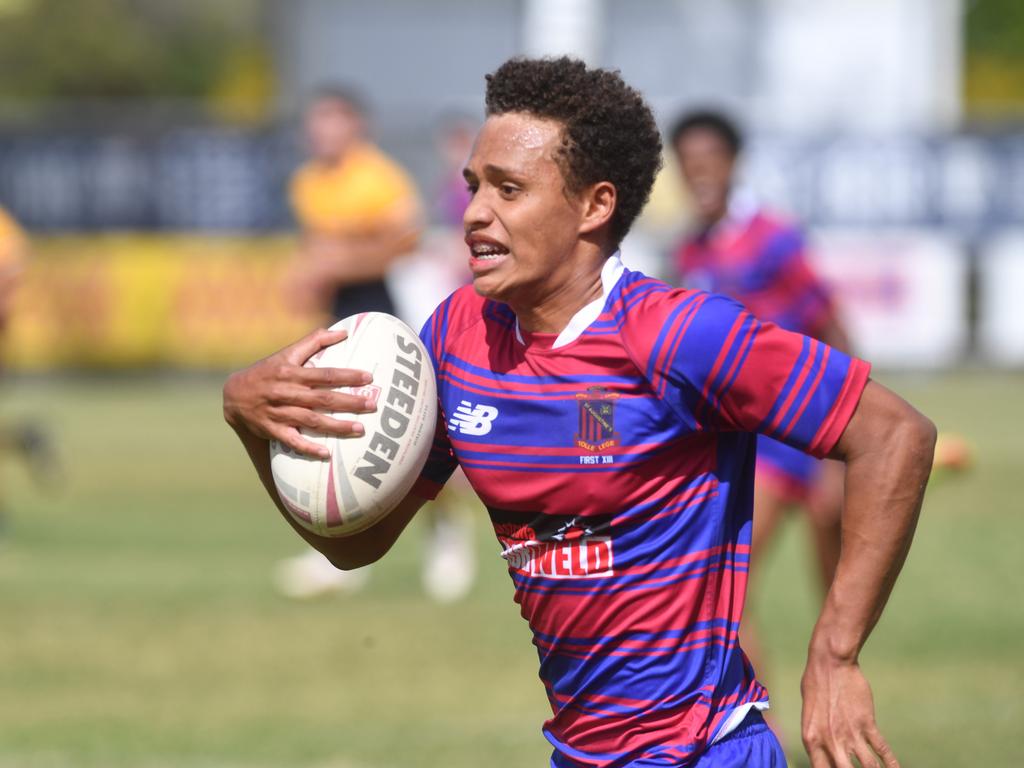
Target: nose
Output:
[{"x": 478, "y": 213}]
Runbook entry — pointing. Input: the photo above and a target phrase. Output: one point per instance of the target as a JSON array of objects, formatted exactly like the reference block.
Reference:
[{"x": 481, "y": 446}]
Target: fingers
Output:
[
  {"x": 872, "y": 751},
  {"x": 329, "y": 377},
  {"x": 882, "y": 748},
  {"x": 325, "y": 400},
  {"x": 299, "y": 352},
  {"x": 319, "y": 423},
  {"x": 863, "y": 753},
  {"x": 292, "y": 438},
  {"x": 819, "y": 758},
  {"x": 279, "y": 396}
]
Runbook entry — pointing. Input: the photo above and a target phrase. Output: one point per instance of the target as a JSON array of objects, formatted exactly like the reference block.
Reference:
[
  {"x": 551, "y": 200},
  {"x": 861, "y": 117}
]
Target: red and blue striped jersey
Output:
[
  {"x": 758, "y": 260},
  {"x": 618, "y": 472}
]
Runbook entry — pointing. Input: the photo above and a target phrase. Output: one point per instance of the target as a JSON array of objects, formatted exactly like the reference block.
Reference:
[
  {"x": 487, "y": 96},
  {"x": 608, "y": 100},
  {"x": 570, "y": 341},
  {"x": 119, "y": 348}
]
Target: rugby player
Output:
[
  {"x": 607, "y": 422},
  {"x": 742, "y": 250}
]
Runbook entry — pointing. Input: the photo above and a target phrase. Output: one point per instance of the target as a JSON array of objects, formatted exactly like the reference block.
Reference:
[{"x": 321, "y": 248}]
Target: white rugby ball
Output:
[{"x": 366, "y": 476}]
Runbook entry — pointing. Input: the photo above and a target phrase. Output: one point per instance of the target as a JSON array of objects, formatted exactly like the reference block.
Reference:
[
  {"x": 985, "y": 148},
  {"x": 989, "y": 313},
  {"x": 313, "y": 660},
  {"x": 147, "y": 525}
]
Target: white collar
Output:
[{"x": 610, "y": 274}]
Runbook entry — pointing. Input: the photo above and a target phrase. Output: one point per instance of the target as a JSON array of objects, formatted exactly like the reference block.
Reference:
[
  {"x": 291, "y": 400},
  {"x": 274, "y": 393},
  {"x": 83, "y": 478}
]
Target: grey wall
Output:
[{"x": 414, "y": 60}]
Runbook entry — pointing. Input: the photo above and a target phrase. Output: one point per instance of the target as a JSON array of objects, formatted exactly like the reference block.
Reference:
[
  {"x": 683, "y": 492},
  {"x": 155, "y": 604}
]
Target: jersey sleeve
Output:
[
  {"x": 441, "y": 460},
  {"x": 729, "y": 371}
]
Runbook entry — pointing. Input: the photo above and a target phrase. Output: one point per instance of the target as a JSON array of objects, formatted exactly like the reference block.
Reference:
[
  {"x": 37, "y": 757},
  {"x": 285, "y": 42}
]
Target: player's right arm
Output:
[
  {"x": 273, "y": 399},
  {"x": 734, "y": 373}
]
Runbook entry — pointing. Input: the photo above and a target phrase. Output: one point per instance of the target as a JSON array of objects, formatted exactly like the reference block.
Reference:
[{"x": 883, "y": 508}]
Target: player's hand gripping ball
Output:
[{"x": 366, "y": 476}]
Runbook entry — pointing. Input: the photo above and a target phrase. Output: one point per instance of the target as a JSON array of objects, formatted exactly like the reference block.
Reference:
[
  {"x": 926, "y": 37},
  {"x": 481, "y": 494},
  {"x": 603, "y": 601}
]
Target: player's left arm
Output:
[{"x": 887, "y": 447}]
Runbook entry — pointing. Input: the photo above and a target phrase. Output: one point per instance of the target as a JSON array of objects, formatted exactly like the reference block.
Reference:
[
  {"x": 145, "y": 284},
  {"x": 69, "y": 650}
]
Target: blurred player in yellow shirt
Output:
[
  {"x": 357, "y": 210},
  {"x": 13, "y": 249},
  {"x": 24, "y": 438}
]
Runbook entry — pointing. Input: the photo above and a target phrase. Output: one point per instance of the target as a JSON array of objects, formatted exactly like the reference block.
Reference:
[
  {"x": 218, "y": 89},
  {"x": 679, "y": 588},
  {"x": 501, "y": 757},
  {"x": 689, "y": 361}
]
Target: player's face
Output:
[
  {"x": 522, "y": 224},
  {"x": 706, "y": 162},
  {"x": 332, "y": 127}
]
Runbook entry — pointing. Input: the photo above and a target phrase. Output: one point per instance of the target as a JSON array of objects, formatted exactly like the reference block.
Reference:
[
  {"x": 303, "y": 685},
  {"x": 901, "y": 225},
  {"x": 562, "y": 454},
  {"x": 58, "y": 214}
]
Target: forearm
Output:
[
  {"x": 361, "y": 258},
  {"x": 278, "y": 398},
  {"x": 885, "y": 483},
  {"x": 258, "y": 450},
  {"x": 347, "y": 552}
]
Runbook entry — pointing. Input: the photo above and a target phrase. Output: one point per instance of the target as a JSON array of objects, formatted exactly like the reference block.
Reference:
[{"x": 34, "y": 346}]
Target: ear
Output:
[{"x": 598, "y": 205}]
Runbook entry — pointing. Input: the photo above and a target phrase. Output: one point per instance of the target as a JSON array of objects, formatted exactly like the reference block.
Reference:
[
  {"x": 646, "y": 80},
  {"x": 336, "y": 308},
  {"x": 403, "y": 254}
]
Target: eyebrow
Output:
[
  {"x": 496, "y": 170},
  {"x": 489, "y": 170}
]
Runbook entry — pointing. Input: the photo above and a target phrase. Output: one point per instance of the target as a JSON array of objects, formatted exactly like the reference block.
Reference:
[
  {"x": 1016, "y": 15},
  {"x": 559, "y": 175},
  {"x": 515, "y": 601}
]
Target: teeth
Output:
[{"x": 487, "y": 251}]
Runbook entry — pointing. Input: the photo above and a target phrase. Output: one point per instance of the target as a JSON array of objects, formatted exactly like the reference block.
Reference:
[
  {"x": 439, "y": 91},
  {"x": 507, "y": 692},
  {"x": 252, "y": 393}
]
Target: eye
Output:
[
  {"x": 472, "y": 187},
  {"x": 509, "y": 190}
]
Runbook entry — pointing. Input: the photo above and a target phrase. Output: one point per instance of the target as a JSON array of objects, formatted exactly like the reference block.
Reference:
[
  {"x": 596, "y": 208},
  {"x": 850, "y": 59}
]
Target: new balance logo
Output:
[{"x": 470, "y": 419}]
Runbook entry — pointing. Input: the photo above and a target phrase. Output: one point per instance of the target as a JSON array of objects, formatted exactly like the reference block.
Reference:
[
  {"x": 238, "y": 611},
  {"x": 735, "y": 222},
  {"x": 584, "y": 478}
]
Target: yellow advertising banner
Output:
[{"x": 140, "y": 300}]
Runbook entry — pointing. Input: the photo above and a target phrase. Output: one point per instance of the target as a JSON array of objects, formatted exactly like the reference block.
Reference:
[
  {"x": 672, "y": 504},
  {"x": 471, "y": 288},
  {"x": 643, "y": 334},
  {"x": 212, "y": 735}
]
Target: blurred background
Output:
[{"x": 146, "y": 148}]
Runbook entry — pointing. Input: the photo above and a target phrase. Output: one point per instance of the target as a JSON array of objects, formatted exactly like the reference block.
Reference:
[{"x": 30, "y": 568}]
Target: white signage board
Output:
[
  {"x": 1001, "y": 299},
  {"x": 901, "y": 295}
]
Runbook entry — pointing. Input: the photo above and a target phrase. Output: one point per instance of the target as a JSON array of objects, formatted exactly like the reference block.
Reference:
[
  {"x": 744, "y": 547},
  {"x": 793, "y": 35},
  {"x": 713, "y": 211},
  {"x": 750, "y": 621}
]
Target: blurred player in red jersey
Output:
[
  {"x": 607, "y": 422},
  {"x": 742, "y": 250}
]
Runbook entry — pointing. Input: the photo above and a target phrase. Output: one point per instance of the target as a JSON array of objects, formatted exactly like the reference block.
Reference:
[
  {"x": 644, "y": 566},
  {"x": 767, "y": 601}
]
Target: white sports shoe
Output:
[
  {"x": 449, "y": 562},
  {"x": 311, "y": 574}
]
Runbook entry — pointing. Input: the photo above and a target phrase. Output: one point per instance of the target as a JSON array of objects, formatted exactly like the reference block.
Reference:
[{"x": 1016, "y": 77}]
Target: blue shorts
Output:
[
  {"x": 789, "y": 472},
  {"x": 751, "y": 745}
]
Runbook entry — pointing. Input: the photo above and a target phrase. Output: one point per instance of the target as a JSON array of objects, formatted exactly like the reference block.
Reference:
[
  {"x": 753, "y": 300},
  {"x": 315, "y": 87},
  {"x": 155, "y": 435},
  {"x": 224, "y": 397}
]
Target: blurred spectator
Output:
[
  {"x": 13, "y": 250},
  {"x": 741, "y": 250},
  {"x": 357, "y": 210},
  {"x": 25, "y": 438}
]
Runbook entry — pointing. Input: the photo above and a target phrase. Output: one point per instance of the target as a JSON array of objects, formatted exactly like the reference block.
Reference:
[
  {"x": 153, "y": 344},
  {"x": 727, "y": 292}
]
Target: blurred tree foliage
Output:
[
  {"x": 132, "y": 50},
  {"x": 994, "y": 58}
]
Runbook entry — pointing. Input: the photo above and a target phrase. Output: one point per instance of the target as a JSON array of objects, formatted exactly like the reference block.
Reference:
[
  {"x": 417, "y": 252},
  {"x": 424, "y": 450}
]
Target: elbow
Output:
[
  {"x": 919, "y": 434},
  {"x": 927, "y": 433},
  {"x": 350, "y": 561},
  {"x": 350, "y": 555}
]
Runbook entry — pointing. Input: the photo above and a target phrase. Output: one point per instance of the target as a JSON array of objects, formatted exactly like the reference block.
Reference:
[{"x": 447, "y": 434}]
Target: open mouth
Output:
[{"x": 487, "y": 251}]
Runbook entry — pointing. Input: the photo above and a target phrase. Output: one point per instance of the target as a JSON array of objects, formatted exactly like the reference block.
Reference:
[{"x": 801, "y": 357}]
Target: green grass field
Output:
[{"x": 138, "y": 626}]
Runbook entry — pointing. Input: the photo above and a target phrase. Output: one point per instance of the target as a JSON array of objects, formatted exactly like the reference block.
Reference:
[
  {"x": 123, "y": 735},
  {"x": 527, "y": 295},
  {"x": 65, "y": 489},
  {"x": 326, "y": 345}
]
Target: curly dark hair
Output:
[{"x": 609, "y": 135}]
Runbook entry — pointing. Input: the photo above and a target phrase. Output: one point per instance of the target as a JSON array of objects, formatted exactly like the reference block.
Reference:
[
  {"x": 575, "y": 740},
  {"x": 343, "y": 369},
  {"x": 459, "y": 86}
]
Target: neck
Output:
[
  {"x": 713, "y": 217},
  {"x": 334, "y": 160},
  {"x": 575, "y": 286}
]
